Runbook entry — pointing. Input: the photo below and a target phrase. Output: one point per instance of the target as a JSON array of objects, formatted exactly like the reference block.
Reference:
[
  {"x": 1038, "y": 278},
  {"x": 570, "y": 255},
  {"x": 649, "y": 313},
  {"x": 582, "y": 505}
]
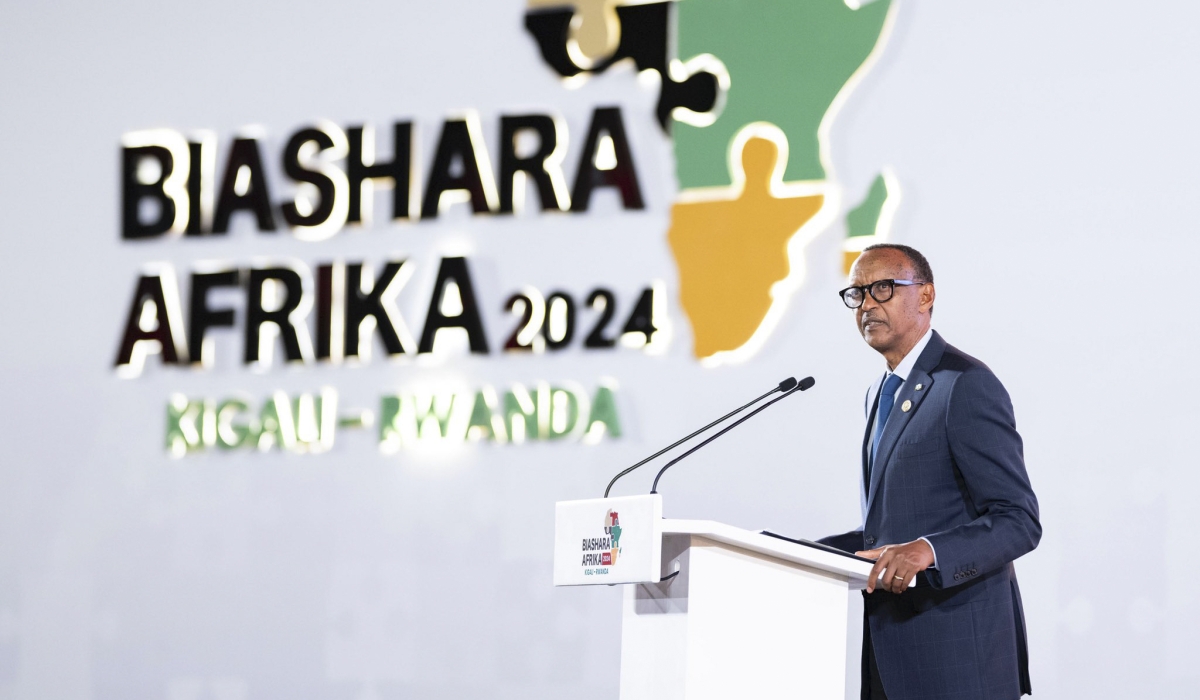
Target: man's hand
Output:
[{"x": 899, "y": 564}]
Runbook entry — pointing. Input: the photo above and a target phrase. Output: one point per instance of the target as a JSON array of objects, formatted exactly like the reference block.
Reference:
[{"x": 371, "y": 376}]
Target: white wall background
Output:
[{"x": 1047, "y": 153}]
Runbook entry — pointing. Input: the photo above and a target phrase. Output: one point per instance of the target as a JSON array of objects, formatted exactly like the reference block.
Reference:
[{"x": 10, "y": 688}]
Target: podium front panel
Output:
[
  {"x": 733, "y": 623},
  {"x": 608, "y": 540}
]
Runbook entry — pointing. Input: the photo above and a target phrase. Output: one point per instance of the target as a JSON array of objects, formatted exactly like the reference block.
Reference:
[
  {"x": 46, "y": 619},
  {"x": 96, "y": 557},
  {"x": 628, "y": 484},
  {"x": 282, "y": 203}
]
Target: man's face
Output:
[{"x": 901, "y": 320}]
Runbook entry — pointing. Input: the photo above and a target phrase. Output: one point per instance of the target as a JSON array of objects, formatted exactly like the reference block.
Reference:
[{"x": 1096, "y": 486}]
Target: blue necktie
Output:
[{"x": 887, "y": 399}]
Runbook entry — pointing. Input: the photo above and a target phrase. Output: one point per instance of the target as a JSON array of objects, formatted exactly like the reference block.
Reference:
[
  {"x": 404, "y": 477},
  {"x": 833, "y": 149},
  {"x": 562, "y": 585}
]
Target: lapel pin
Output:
[
  {"x": 920, "y": 386},
  {"x": 905, "y": 406}
]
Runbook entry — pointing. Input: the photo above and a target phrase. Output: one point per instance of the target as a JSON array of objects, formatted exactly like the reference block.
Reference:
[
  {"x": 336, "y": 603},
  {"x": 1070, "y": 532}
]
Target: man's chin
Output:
[{"x": 879, "y": 340}]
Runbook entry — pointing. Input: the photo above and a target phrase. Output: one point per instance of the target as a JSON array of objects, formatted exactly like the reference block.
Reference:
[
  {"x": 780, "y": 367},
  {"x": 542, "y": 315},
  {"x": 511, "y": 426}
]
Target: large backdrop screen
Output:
[{"x": 313, "y": 311}]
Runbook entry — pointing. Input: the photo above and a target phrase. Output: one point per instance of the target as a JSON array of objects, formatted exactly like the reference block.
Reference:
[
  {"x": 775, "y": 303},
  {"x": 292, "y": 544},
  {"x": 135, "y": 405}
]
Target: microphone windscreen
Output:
[
  {"x": 807, "y": 383},
  {"x": 787, "y": 384}
]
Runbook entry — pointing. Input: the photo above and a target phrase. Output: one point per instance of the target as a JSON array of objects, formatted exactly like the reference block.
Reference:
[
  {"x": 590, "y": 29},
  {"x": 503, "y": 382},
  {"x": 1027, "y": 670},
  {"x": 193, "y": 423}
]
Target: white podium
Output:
[{"x": 722, "y": 613}]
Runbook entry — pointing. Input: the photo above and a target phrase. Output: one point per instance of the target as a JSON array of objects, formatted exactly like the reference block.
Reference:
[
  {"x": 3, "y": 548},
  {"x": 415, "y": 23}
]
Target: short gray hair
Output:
[{"x": 920, "y": 265}]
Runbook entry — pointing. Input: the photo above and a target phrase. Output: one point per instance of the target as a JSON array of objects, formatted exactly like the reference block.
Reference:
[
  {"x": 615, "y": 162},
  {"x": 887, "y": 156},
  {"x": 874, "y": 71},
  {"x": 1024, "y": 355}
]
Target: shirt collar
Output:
[{"x": 906, "y": 365}]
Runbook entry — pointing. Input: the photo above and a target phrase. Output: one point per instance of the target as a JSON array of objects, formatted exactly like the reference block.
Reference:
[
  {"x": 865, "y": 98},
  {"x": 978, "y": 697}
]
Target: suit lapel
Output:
[
  {"x": 899, "y": 418},
  {"x": 866, "y": 444}
]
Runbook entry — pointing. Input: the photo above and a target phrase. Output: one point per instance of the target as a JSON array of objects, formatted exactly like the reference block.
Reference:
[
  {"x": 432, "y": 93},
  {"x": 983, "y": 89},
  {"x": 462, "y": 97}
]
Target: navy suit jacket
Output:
[{"x": 950, "y": 469}]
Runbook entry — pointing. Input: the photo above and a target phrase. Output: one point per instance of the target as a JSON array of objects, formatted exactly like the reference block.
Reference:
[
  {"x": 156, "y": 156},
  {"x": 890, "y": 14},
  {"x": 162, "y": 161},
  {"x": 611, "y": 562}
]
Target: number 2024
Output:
[{"x": 550, "y": 322}]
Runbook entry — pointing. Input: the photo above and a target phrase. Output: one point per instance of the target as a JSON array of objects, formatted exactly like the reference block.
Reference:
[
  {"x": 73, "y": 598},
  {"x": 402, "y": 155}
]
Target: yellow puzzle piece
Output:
[
  {"x": 595, "y": 30},
  {"x": 731, "y": 244}
]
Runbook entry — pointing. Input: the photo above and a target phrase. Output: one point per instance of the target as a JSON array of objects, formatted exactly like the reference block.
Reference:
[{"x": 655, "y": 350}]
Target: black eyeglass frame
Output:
[{"x": 869, "y": 289}]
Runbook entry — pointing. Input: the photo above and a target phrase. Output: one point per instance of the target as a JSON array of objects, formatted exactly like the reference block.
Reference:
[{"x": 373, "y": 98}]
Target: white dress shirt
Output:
[{"x": 902, "y": 370}]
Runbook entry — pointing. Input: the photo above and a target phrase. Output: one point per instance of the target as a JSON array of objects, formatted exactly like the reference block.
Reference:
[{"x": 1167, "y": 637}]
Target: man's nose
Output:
[{"x": 869, "y": 302}]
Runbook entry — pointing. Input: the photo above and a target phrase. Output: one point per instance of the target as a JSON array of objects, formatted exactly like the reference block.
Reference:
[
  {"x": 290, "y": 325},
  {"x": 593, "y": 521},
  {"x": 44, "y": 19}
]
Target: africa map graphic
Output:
[
  {"x": 748, "y": 110},
  {"x": 612, "y": 527}
]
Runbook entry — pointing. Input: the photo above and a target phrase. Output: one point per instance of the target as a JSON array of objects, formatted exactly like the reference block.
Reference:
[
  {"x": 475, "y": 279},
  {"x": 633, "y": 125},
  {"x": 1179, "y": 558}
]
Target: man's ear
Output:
[{"x": 928, "y": 295}]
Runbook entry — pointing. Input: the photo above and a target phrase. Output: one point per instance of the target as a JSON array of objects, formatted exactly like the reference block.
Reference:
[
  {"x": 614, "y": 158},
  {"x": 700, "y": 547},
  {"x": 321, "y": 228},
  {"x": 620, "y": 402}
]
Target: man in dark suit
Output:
[{"x": 947, "y": 504}]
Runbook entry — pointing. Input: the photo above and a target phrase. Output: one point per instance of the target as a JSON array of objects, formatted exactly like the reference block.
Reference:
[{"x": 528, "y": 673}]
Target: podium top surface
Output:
[
  {"x": 620, "y": 540},
  {"x": 855, "y": 571}
]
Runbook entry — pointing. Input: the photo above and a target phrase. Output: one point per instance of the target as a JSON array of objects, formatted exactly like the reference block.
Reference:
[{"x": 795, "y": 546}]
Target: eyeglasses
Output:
[{"x": 880, "y": 291}]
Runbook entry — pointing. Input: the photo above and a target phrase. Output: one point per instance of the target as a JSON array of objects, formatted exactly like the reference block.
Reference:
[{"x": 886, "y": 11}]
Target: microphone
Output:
[
  {"x": 803, "y": 385},
  {"x": 784, "y": 386}
]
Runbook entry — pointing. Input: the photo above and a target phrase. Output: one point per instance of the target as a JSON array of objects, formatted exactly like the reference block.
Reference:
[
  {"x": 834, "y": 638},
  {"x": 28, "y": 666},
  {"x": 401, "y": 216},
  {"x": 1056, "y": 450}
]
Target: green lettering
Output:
[{"x": 604, "y": 416}]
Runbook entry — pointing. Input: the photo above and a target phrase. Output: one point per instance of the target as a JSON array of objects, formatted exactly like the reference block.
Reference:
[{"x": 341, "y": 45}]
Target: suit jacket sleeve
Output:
[{"x": 987, "y": 453}]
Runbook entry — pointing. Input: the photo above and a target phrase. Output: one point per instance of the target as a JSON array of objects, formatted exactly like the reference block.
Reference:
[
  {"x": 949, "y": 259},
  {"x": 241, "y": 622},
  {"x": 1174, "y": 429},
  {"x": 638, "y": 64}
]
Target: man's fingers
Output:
[
  {"x": 903, "y": 561},
  {"x": 906, "y": 567},
  {"x": 898, "y": 568},
  {"x": 881, "y": 564},
  {"x": 889, "y": 572},
  {"x": 874, "y": 575},
  {"x": 898, "y": 573}
]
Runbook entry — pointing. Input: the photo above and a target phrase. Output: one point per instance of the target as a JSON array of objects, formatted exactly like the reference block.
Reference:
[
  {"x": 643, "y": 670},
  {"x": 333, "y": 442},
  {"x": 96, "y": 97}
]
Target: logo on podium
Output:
[
  {"x": 612, "y": 528},
  {"x": 584, "y": 553},
  {"x": 603, "y": 551}
]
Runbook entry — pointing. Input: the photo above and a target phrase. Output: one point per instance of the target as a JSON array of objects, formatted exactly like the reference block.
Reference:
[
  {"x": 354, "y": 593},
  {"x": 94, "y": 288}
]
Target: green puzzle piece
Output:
[
  {"x": 863, "y": 220},
  {"x": 787, "y": 61}
]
